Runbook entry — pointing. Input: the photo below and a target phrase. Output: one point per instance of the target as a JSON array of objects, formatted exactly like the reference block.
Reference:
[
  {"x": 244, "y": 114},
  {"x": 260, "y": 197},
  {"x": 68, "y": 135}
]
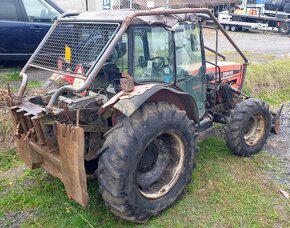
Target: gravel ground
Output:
[
  {"x": 279, "y": 145},
  {"x": 253, "y": 42}
]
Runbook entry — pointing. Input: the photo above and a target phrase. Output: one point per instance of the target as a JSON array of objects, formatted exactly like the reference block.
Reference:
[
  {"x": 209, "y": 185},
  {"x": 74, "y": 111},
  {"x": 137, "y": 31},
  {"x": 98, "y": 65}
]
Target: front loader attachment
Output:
[{"x": 57, "y": 148}]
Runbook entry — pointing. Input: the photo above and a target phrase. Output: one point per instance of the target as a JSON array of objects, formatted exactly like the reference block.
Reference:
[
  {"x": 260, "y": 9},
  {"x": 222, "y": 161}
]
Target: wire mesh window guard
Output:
[{"x": 72, "y": 44}]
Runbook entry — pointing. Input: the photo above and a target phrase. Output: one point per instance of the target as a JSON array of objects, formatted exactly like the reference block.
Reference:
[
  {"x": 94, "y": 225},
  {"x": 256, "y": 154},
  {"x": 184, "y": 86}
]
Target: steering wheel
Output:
[
  {"x": 158, "y": 64},
  {"x": 154, "y": 67}
]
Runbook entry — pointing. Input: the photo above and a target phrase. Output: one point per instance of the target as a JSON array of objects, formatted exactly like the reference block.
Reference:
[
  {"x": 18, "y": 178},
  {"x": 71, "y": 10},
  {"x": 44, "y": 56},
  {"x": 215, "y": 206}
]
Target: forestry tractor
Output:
[{"x": 129, "y": 95}]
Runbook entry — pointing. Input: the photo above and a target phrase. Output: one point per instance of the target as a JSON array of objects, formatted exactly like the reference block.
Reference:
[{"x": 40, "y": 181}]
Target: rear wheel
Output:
[
  {"x": 248, "y": 127},
  {"x": 234, "y": 28},
  {"x": 147, "y": 162},
  {"x": 284, "y": 28}
]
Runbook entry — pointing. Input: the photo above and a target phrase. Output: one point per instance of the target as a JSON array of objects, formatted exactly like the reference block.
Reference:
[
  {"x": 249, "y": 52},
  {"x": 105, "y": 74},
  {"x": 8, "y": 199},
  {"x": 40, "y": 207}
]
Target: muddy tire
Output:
[
  {"x": 248, "y": 127},
  {"x": 147, "y": 161}
]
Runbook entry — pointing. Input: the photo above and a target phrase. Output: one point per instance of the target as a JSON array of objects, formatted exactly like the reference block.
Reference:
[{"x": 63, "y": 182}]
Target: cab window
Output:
[
  {"x": 153, "y": 55},
  {"x": 122, "y": 54},
  {"x": 188, "y": 50},
  {"x": 189, "y": 63}
]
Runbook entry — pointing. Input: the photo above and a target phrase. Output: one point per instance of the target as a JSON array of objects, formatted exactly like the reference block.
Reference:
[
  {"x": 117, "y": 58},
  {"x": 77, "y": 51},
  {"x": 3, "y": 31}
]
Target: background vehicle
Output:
[
  {"x": 137, "y": 94},
  {"x": 275, "y": 14},
  {"x": 23, "y": 24}
]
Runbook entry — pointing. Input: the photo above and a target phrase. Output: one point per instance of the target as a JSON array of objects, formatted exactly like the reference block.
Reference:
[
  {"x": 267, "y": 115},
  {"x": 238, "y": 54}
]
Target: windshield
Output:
[{"x": 153, "y": 55}]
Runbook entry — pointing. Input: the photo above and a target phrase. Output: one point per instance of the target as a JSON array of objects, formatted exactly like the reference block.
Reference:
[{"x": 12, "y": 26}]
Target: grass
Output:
[
  {"x": 269, "y": 81},
  {"x": 226, "y": 191},
  {"x": 5, "y": 126},
  {"x": 9, "y": 159},
  {"x": 13, "y": 76},
  {"x": 233, "y": 56},
  {"x": 34, "y": 84}
]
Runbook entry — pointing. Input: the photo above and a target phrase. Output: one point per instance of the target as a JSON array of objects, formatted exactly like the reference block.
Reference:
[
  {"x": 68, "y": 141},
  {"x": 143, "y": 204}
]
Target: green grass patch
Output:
[
  {"x": 9, "y": 159},
  {"x": 269, "y": 81},
  {"x": 34, "y": 84},
  {"x": 225, "y": 191},
  {"x": 13, "y": 76}
]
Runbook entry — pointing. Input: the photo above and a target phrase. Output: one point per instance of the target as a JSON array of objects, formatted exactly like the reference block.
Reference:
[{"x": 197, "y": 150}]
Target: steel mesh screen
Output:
[{"x": 74, "y": 43}]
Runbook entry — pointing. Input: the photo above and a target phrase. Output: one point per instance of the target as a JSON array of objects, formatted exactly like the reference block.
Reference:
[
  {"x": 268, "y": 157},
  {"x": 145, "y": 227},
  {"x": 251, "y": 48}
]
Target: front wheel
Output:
[
  {"x": 248, "y": 127},
  {"x": 227, "y": 27},
  {"x": 147, "y": 162}
]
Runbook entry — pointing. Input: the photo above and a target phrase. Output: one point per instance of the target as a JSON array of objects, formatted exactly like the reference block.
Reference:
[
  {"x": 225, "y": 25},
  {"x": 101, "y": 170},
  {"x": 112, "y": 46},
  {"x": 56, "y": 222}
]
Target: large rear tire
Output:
[
  {"x": 147, "y": 161},
  {"x": 248, "y": 127}
]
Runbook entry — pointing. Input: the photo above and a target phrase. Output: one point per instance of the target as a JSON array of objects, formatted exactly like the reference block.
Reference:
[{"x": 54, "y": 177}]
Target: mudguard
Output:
[{"x": 128, "y": 103}]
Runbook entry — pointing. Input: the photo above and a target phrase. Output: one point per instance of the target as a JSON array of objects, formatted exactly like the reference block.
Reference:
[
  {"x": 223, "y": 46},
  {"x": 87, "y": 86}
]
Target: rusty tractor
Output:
[{"x": 129, "y": 95}]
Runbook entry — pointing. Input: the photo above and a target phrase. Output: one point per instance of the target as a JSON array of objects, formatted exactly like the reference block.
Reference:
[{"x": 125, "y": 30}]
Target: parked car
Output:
[{"x": 23, "y": 24}]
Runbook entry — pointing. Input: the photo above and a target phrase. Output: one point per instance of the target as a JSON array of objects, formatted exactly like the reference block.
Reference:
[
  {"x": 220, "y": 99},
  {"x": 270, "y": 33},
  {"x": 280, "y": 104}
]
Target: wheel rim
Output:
[
  {"x": 161, "y": 165},
  {"x": 255, "y": 129},
  {"x": 284, "y": 28}
]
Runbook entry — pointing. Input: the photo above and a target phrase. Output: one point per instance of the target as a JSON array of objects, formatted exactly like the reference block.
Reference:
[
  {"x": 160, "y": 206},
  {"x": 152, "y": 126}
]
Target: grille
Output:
[{"x": 72, "y": 43}]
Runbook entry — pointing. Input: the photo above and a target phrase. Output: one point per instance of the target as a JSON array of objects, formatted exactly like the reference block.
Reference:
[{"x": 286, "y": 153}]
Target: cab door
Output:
[
  {"x": 39, "y": 16},
  {"x": 190, "y": 66}
]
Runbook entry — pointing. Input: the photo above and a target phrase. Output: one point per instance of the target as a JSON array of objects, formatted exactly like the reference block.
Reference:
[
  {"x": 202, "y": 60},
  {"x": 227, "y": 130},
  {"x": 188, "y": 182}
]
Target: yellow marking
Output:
[{"x": 67, "y": 54}]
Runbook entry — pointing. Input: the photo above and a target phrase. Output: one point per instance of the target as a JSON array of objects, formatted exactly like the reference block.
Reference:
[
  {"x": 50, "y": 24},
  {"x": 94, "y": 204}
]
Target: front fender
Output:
[{"x": 128, "y": 103}]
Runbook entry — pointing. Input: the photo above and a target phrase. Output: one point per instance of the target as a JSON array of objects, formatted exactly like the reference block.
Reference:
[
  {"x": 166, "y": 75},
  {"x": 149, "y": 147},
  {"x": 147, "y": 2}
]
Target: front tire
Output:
[
  {"x": 248, "y": 127},
  {"x": 147, "y": 162}
]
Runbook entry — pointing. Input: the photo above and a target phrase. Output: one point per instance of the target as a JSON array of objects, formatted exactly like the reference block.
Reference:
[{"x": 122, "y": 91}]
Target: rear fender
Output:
[{"x": 128, "y": 103}]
